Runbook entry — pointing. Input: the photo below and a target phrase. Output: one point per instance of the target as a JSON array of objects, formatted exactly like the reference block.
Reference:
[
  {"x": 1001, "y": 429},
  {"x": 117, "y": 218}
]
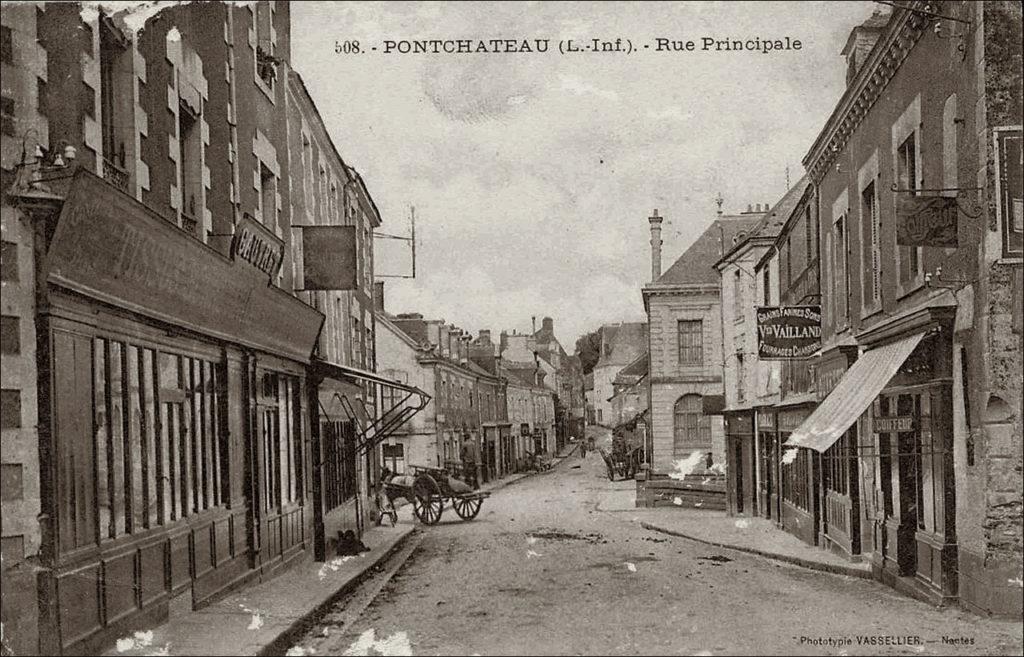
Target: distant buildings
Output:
[
  {"x": 683, "y": 307},
  {"x": 621, "y": 344},
  {"x": 189, "y": 395}
]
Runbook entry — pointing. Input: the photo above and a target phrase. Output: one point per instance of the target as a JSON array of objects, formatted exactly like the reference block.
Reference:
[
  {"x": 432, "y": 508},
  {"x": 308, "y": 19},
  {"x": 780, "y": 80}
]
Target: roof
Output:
[
  {"x": 696, "y": 265},
  {"x": 772, "y": 222},
  {"x": 638, "y": 368},
  {"x": 628, "y": 340},
  {"x": 787, "y": 206}
]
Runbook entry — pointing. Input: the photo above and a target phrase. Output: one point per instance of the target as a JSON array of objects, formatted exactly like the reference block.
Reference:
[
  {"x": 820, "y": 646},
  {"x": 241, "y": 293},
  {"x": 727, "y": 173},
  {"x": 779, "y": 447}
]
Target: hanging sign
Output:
[
  {"x": 894, "y": 423},
  {"x": 329, "y": 257},
  {"x": 255, "y": 244},
  {"x": 926, "y": 220},
  {"x": 788, "y": 332}
]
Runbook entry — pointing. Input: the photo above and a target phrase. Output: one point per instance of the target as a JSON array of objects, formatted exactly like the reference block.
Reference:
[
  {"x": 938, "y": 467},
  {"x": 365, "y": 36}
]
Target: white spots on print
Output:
[{"x": 396, "y": 644}]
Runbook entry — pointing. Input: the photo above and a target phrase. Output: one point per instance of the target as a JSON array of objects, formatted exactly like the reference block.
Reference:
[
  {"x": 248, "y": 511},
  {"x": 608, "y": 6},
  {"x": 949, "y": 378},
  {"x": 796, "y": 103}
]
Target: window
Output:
[
  {"x": 340, "y": 478},
  {"x": 906, "y": 178},
  {"x": 789, "y": 261},
  {"x": 268, "y": 197},
  {"x": 7, "y": 116},
  {"x": 691, "y": 341},
  {"x": 10, "y": 335},
  {"x": 394, "y": 457},
  {"x": 111, "y": 45},
  {"x": 6, "y": 45},
  {"x": 1009, "y": 183},
  {"x": 810, "y": 237},
  {"x": 280, "y": 441},
  {"x": 266, "y": 63},
  {"x": 795, "y": 488},
  {"x": 871, "y": 281},
  {"x": 88, "y": 100},
  {"x": 10, "y": 409},
  {"x": 767, "y": 286},
  {"x": 8, "y": 261},
  {"x": 190, "y": 165},
  {"x": 737, "y": 297},
  {"x": 840, "y": 273},
  {"x": 161, "y": 452},
  {"x": 692, "y": 428},
  {"x": 837, "y": 464}
]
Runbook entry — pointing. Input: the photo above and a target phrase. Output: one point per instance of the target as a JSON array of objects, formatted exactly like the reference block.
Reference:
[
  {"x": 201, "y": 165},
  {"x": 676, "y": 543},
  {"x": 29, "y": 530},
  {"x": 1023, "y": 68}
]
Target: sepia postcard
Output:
[{"x": 511, "y": 328}]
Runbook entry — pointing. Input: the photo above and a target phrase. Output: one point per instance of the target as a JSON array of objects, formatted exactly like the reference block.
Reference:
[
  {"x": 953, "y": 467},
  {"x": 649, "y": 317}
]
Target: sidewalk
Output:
[
  {"x": 254, "y": 618},
  {"x": 754, "y": 535}
]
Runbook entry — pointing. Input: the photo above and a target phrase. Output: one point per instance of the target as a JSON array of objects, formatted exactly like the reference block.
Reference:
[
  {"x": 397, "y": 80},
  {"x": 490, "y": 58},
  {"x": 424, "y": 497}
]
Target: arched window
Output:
[{"x": 692, "y": 427}]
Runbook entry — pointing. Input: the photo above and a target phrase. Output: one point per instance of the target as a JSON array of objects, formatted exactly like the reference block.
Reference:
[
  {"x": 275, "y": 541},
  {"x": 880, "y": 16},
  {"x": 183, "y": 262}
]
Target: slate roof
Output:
[
  {"x": 696, "y": 265},
  {"x": 637, "y": 368},
  {"x": 771, "y": 222},
  {"x": 628, "y": 340}
]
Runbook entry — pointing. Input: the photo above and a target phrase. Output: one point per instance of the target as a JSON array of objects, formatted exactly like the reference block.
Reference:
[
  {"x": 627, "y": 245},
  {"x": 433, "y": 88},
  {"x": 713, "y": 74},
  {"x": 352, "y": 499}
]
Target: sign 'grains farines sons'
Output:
[{"x": 788, "y": 332}]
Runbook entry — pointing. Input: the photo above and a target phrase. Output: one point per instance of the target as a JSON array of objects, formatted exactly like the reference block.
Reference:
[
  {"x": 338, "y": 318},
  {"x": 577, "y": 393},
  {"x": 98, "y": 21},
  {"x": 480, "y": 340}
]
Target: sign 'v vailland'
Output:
[{"x": 788, "y": 332}]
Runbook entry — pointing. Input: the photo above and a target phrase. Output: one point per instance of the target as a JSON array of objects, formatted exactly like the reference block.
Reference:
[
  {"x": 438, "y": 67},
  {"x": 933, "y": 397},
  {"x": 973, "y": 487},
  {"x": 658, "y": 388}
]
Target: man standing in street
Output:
[{"x": 469, "y": 458}]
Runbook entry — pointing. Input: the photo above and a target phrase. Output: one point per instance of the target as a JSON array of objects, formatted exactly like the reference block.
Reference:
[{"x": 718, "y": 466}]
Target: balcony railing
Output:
[{"x": 115, "y": 175}]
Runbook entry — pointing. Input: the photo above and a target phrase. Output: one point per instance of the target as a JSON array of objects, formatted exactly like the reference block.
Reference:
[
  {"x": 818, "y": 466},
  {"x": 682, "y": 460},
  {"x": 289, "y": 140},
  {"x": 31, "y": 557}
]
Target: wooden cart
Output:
[{"x": 427, "y": 490}]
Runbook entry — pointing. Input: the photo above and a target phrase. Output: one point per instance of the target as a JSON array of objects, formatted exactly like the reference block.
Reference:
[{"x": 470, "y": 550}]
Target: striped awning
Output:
[{"x": 851, "y": 397}]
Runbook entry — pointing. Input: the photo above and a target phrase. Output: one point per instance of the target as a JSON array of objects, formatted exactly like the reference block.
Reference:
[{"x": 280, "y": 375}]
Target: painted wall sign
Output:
[
  {"x": 257, "y": 245},
  {"x": 329, "y": 257},
  {"x": 788, "y": 332},
  {"x": 891, "y": 424},
  {"x": 926, "y": 220},
  {"x": 110, "y": 247}
]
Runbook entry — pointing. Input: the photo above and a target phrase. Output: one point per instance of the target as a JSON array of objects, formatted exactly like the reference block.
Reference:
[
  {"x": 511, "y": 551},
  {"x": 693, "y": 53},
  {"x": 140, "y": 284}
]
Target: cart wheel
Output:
[
  {"x": 427, "y": 503},
  {"x": 466, "y": 508}
]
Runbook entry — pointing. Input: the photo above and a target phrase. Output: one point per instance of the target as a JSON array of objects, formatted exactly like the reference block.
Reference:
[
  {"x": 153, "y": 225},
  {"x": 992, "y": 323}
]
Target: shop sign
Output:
[
  {"x": 766, "y": 419},
  {"x": 255, "y": 244},
  {"x": 110, "y": 247},
  {"x": 926, "y": 220},
  {"x": 788, "y": 332},
  {"x": 329, "y": 257},
  {"x": 893, "y": 424},
  {"x": 792, "y": 419},
  {"x": 713, "y": 404}
]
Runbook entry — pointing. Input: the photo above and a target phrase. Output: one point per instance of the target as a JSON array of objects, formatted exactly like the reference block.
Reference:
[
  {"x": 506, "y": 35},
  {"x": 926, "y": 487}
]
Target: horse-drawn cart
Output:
[{"x": 427, "y": 490}]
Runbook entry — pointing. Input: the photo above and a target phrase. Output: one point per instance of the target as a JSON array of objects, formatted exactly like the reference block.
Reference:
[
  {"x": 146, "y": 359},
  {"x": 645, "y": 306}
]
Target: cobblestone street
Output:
[{"x": 558, "y": 564}]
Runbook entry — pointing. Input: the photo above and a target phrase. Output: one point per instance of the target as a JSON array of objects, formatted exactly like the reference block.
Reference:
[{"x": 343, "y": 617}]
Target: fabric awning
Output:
[
  {"x": 372, "y": 431},
  {"x": 851, "y": 397}
]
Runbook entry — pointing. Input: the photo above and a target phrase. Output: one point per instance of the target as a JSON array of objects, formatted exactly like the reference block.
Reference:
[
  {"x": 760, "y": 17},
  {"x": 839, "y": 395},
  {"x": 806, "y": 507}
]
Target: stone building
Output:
[
  {"x": 741, "y": 366},
  {"x": 921, "y": 330},
  {"x": 621, "y": 344},
  {"x": 683, "y": 307},
  {"x": 159, "y": 443}
]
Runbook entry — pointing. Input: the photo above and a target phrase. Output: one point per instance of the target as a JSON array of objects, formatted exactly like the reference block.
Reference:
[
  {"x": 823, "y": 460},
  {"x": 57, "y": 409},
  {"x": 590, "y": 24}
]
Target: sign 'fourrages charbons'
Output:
[{"x": 788, "y": 332}]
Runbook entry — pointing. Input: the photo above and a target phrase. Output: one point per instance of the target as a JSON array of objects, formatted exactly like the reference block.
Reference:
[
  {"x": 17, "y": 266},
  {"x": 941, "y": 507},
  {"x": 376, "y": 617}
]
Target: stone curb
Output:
[
  {"x": 835, "y": 569},
  {"x": 285, "y": 637}
]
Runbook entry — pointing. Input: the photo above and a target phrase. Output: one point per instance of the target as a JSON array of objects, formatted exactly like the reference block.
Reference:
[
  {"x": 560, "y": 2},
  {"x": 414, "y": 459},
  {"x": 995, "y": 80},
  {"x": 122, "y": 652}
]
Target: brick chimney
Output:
[
  {"x": 655, "y": 222},
  {"x": 485, "y": 337},
  {"x": 547, "y": 324},
  {"x": 860, "y": 42}
]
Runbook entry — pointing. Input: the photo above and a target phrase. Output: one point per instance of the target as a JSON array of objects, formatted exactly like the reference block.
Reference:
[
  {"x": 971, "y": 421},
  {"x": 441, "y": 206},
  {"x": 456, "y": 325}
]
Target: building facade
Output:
[
  {"x": 933, "y": 441},
  {"x": 621, "y": 344},
  {"x": 163, "y": 446},
  {"x": 741, "y": 364},
  {"x": 685, "y": 344}
]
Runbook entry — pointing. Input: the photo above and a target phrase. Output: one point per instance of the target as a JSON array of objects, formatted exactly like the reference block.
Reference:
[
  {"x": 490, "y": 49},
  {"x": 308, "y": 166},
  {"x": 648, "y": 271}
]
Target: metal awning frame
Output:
[{"x": 370, "y": 433}]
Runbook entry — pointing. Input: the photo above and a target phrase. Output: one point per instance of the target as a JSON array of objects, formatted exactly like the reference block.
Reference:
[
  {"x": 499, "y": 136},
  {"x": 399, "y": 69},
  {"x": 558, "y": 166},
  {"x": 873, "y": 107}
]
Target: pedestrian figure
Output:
[
  {"x": 469, "y": 463},
  {"x": 583, "y": 449}
]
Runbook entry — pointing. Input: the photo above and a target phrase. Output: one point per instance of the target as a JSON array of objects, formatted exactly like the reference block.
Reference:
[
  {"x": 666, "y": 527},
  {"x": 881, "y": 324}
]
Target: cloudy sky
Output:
[{"x": 532, "y": 175}]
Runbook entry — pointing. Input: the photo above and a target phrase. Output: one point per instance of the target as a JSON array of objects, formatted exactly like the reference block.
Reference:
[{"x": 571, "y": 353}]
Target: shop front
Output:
[
  {"x": 173, "y": 424},
  {"x": 348, "y": 430},
  {"x": 840, "y": 471},
  {"x": 901, "y": 388},
  {"x": 912, "y": 427},
  {"x": 799, "y": 510},
  {"x": 768, "y": 498},
  {"x": 741, "y": 473}
]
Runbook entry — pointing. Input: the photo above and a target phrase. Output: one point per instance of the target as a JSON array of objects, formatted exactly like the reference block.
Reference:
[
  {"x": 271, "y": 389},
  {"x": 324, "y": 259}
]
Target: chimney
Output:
[
  {"x": 378, "y": 296},
  {"x": 860, "y": 42},
  {"x": 485, "y": 336},
  {"x": 547, "y": 324},
  {"x": 533, "y": 324},
  {"x": 750, "y": 208},
  {"x": 655, "y": 222}
]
